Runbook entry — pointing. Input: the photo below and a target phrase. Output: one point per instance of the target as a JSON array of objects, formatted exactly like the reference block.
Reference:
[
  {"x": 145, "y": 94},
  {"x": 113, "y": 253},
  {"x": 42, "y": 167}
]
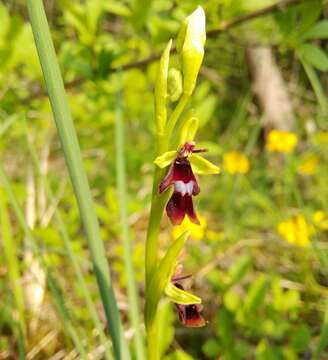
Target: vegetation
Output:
[{"x": 99, "y": 237}]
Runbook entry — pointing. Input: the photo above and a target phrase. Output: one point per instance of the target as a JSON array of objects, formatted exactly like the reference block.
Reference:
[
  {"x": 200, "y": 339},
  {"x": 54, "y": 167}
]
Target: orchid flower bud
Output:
[
  {"x": 161, "y": 89},
  {"x": 174, "y": 84},
  {"x": 190, "y": 46}
]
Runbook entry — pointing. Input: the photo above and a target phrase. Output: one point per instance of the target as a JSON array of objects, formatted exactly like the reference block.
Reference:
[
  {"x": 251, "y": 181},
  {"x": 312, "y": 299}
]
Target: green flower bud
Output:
[
  {"x": 190, "y": 46},
  {"x": 161, "y": 89},
  {"x": 174, "y": 84}
]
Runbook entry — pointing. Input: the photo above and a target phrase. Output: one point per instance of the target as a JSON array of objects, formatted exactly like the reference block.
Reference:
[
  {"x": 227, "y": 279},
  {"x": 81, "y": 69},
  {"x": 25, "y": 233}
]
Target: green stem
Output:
[
  {"x": 156, "y": 211},
  {"x": 123, "y": 201},
  {"x": 69, "y": 141},
  {"x": 175, "y": 116}
]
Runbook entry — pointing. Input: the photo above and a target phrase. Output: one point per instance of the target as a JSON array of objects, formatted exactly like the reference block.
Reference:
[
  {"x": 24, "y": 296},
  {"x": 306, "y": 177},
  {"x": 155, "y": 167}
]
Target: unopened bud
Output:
[
  {"x": 174, "y": 84},
  {"x": 190, "y": 46}
]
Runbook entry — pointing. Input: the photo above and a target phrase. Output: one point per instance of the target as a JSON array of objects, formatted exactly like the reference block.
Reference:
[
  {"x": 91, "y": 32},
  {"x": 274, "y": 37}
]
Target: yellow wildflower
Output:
[
  {"x": 281, "y": 141},
  {"x": 196, "y": 231},
  {"x": 320, "y": 220},
  {"x": 296, "y": 230},
  {"x": 309, "y": 165},
  {"x": 235, "y": 162}
]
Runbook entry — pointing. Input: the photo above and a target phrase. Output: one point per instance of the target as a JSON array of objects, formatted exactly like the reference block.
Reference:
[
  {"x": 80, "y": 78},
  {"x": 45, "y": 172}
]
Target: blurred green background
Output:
[{"x": 259, "y": 259}]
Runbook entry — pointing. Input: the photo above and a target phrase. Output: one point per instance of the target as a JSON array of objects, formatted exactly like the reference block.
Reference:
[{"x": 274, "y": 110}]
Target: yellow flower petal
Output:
[
  {"x": 235, "y": 162},
  {"x": 281, "y": 141}
]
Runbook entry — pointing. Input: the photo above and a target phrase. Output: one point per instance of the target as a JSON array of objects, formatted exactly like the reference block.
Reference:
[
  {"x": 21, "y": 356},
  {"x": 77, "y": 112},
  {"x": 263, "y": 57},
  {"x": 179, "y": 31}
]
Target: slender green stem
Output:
[
  {"x": 126, "y": 241},
  {"x": 156, "y": 211},
  {"x": 58, "y": 299},
  {"x": 68, "y": 246},
  {"x": 175, "y": 116},
  {"x": 69, "y": 141},
  {"x": 158, "y": 201}
]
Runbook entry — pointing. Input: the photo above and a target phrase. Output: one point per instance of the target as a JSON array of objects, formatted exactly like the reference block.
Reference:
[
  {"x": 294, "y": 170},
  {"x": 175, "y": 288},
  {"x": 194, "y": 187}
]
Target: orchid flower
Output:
[
  {"x": 183, "y": 163},
  {"x": 190, "y": 314}
]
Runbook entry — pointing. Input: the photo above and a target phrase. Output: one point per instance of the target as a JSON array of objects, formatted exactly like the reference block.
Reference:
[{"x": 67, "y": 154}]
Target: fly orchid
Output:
[
  {"x": 183, "y": 163},
  {"x": 181, "y": 176},
  {"x": 174, "y": 129},
  {"x": 190, "y": 314}
]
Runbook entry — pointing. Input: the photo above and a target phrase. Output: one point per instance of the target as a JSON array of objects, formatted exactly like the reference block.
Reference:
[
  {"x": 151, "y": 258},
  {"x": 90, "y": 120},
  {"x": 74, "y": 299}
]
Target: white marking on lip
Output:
[{"x": 184, "y": 188}]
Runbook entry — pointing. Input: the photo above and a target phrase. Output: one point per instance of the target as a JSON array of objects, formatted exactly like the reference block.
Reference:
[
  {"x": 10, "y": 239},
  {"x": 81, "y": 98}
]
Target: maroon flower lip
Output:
[
  {"x": 189, "y": 315},
  {"x": 181, "y": 176}
]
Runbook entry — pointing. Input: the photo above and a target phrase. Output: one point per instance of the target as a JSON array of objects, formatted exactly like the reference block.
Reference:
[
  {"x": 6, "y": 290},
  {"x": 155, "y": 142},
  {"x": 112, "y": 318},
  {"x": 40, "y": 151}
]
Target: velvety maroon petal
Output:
[
  {"x": 189, "y": 209},
  {"x": 168, "y": 180},
  {"x": 180, "y": 170},
  {"x": 190, "y": 315},
  {"x": 176, "y": 208}
]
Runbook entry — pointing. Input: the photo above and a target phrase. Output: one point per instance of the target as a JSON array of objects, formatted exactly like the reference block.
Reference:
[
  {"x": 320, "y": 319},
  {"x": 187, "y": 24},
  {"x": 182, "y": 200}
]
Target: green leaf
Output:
[
  {"x": 189, "y": 130},
  {"x": 165, "y": 159},
  {"x": 310, "y": 12},
  {"x": 239, "y": 270},
  {"x": 256, "y": 294},
  {"x": 162, "y": 276},
  {"x": 299, "y": 339},
  {"x": 117, "y": 8},
  {"x": 203, "y": 166},
  {"x": 317, "y": 31},
  {"x": 180, "y": 296},
  {"x": 314, "y": 56},
  {"x": 212, "y": 348},
  {"x": 316, "y": 85}
]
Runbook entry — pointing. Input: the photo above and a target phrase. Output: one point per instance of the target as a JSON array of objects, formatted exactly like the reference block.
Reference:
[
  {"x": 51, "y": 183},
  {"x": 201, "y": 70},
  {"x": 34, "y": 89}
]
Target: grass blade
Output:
[
  {"x": 68, "y": 137},
  {"x": 73, "y": 258},
  {"x": 126, "y": 241}
]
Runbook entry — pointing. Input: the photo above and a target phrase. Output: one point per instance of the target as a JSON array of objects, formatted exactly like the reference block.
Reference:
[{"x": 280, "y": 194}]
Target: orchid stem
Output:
[{"x": 157, "y": 206}]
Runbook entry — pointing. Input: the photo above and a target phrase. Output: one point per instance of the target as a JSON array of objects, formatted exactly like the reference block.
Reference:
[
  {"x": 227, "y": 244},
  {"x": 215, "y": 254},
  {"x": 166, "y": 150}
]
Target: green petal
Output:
[
  {"x": 180, "y": 296},
  {"x": 202, "y": 166},
  {"x": 189, "y": 130},
  {"x": 165, "y": 159}
]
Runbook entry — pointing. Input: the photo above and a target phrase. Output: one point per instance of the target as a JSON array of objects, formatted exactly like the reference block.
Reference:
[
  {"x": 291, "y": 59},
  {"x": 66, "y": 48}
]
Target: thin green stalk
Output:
[
  {"x": 175, "y": 116},
  {"x": 156, "y": 211},
  {"x": 73, "y": 258},
  {"x": 126, "y": 241},
  {"x": 58, "y": 299},
  {"x": 10, "y": 251},
  {"x": 69, "y": 141},
  {"x": 158, "y": 201}
]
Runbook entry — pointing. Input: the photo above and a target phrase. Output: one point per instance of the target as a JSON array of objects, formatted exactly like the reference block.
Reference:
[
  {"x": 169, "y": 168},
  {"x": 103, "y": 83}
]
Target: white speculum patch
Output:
[{"x": 184, "y": 188}]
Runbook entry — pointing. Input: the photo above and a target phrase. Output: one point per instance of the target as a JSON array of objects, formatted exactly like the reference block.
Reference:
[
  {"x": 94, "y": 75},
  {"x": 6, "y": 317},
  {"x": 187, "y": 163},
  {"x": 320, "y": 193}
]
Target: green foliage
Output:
[{"x": 263, "y": 297}]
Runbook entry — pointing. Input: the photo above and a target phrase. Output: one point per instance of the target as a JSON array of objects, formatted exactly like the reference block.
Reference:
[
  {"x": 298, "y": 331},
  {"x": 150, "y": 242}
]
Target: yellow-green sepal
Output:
[
  {"x": 180, "y": 296},
  {"x": 188, "y": 130},
  {"x": 165, "y": 159},
  {"x": 202, "y": 166},
  {"x": 161, "y": 89},
  {"x": 162, "y": 277}
]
